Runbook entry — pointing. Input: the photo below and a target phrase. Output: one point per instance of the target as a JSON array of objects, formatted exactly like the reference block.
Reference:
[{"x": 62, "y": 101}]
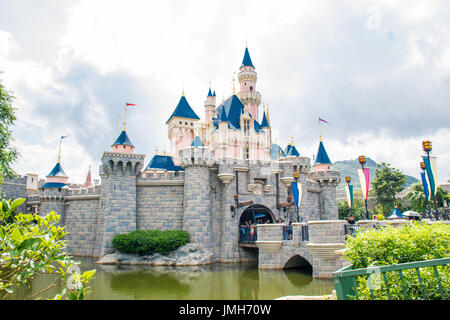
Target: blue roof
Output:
[
  {"x": 223, "y": 116},
  {"x": 214, "y": 93},
  {"x": 57, "y": 171},
  {"x": 264, "y": 122},
  {"x": 322, "y": 156},
  {"x": 53, "y": 185},
  {"x": 395, "y": 214},
  {"x": 233, "y": 108},
  {"x": 123, "y": 139},
  {"x": 163, "y": 162},
  {"x": 275, "y": 152},
  {"x": 247, "y": 61},
  {"x": 210, "y": 93},
  {"x": 183, "y": 110},
  {"x": 288, "y": 148},
  {"x": 293, "y": 152},
  {"x": 197, "y": 142}
]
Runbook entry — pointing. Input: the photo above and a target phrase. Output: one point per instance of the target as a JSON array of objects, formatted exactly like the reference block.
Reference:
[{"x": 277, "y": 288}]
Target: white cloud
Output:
[{"x": 384, "y": 89}]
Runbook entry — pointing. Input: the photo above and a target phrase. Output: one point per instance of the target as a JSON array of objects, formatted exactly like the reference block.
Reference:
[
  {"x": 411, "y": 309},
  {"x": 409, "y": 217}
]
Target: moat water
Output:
[{"x": 213, "y": 282}]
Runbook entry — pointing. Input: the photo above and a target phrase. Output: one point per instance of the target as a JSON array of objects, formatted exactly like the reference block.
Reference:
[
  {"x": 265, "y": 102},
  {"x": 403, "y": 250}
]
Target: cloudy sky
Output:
[{"x": 378, "y": 71}]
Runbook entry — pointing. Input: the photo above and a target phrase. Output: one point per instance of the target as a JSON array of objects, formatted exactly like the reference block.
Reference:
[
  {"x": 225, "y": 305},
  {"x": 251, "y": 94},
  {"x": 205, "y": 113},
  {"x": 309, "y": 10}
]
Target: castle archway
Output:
[
  {"x": 297, "y": 262},
  {"x": 256, "y": 213}
]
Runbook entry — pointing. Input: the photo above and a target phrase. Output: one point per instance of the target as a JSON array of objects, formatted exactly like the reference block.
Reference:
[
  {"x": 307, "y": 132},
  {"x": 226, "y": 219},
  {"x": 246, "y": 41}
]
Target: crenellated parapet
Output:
[
  {"x": 329, "y": 177},
  {"x": 84, "y": 190},
  {"x": 197, "y": 156},
  {"x": 121, "y": 164}
]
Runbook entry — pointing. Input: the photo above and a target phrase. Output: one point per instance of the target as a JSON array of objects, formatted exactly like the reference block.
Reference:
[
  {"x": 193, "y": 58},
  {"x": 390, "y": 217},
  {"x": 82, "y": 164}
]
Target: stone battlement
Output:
[
  {"x": 153, "y": 175},
  {"x": 84, "y": 190},
  {"x": 329, "y": 176}
]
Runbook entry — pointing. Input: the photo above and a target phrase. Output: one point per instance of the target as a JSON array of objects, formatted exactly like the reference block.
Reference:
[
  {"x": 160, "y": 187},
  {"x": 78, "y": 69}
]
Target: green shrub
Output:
[
  {"x": 394, "y": 245},
  {"x": 146, "y": 242}
]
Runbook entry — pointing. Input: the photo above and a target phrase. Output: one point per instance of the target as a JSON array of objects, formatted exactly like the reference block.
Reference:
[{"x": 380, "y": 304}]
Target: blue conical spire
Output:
[
  {"x": 223, "y": 116},
  {"x": 322, "y": 156},
  {"x": 123, "y": 139},
  {"x": 210, "y": 93},
  {"x": 214, "y": 93},
  {"x": 184, "y": 110},
  {"x": 247, "y": 61},
  {"x": 264, "y": 122}
]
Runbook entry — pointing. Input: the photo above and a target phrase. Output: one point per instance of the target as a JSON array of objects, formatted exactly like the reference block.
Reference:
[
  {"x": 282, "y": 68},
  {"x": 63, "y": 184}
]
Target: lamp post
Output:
[
  {"x": 422, "y": 166},
  {"x": 348, "y": 179},
  {"x": 426, "y": 145},
  {"x": 362, "y": 161}
]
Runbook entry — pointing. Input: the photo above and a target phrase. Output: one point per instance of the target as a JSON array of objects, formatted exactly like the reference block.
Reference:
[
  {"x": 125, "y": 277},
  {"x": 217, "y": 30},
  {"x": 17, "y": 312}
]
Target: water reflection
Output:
[{"x": 210, "y": 282}]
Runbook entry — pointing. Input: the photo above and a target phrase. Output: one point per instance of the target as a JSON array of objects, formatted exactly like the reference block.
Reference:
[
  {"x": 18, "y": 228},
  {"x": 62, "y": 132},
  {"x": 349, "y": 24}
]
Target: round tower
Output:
[
  {"x": 196, "y": 161},
  {"x": 210, "y": 106},
  {"x": 247, "y": 78},
  {"x": 328, "y": 179},
  {"x": 118, "y": 171}
]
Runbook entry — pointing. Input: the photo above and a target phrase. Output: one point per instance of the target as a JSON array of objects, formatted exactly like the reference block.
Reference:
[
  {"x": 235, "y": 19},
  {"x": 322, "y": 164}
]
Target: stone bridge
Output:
[{"x": 315, "y": 244}]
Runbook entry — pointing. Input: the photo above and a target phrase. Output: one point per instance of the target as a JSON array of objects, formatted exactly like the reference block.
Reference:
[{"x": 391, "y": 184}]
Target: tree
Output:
[
  {"x": 32, "y": 244},
  {"x": 358, "y": 210},
  {"x": 387, "y": 184},
  {"x": 8, "y": 154},
  {"x": 417, "y": 201}
]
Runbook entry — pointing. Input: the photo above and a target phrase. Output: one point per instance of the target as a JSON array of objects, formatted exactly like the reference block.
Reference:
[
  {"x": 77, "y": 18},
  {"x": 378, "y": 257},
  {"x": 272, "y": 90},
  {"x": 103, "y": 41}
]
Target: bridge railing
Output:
[{"x": 394, "y": 281}]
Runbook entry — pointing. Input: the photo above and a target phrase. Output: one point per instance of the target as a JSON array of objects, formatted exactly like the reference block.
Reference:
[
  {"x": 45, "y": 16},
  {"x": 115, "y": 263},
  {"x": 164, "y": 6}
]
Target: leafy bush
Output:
[
  {"x": 146, "y": 242},
  {"x": 394, "y": 245},
  {"x": 31, "y": 245}
]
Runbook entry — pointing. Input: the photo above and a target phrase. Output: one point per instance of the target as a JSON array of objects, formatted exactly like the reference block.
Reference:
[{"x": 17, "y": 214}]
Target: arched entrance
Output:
[
  {"x": 252, "y": 215},
  {"x": 256, "y": 213}
]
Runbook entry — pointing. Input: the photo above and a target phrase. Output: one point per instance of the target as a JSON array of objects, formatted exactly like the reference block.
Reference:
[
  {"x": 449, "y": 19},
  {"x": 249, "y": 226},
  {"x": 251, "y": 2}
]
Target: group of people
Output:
[{"x": 248, "y": 231}]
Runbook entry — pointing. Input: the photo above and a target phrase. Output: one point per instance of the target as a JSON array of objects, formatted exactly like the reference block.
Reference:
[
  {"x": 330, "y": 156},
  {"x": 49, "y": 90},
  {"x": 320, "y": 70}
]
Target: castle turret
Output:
[
  {"x": 210, "y": 106},
  {"x": 88, "y": 181},
  {"x": 247, "y": 78},
  {"x": 197, "y": 161},
  {"x": 328, "y": 179},
  {"x": 53, "y": 192},
  {"x": 181, "y": 126},
  {"x": 118, "y": 171}
]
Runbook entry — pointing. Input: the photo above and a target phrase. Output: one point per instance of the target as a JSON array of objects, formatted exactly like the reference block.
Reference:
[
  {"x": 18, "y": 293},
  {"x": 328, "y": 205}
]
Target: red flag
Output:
[{"x": 130, "y": 104}]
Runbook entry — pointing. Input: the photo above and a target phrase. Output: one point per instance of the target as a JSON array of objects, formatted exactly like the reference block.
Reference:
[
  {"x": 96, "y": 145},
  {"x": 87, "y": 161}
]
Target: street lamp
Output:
[
  {"x": 362, "y": 161},
  {"x": 426, "y": 146},
  {"x": 348, "y": 179}
]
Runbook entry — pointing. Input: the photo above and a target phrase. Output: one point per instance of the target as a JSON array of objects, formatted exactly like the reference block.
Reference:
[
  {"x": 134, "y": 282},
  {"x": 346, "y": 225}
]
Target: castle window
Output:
[
  {"x": 247, "y": 127},
  {"x": 192, "y": 124},
  {"x": 181, "y": 122},
  {"x": 246, "y": 153},
  {"x": 251, "y": 88},
  {"x": 185, "y": 123}
]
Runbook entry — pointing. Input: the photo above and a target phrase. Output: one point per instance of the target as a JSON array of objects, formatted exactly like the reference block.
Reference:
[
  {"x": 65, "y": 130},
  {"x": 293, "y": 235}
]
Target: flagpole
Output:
[
  {"x": 59, "y": 152},
  {"x": 320, "y": 132},
  {"x": 125, "y": 119}
]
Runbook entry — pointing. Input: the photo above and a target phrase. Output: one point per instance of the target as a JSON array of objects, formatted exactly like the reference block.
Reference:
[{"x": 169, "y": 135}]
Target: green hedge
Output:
[
  {"x": 146, "y": 242},
  {"x": 393, "y": 245}
]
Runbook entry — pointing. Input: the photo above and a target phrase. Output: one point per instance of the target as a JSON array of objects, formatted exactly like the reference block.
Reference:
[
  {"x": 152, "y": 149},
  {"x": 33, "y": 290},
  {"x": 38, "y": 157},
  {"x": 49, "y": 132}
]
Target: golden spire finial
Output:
[
  {"x": 267, "y": 114},
  {"x": 233, "y": 81},
  {"x": 182, "y": 93}
]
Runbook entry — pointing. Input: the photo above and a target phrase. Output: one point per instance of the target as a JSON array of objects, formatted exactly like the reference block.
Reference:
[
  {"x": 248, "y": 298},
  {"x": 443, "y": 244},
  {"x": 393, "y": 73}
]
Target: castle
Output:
[{"x": 220, "y": 172}]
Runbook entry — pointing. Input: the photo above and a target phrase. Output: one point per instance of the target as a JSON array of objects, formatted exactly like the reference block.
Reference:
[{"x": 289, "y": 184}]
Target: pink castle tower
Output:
[
  {"x": 210, "y": 106},
  {"x": 247, "y": 79},
  {"x": 181, "y": 126}
]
